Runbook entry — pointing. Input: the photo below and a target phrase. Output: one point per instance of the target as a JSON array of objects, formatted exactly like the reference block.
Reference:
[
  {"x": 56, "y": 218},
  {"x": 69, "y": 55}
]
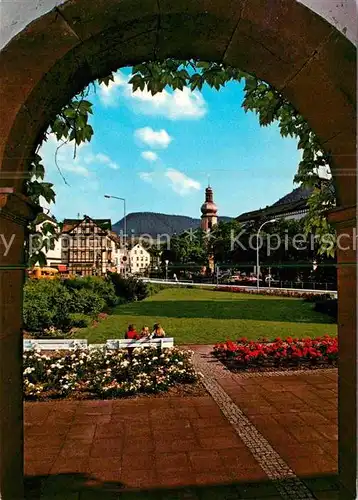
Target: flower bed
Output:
[
  {"x": 100, "y": 374},
  {"x": 276, "y": 292},
  {"x": 279, "y": 354}
]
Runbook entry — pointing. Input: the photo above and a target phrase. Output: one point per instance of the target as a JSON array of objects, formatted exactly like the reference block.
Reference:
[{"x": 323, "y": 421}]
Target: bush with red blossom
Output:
[{"x": 287, "y": 353}]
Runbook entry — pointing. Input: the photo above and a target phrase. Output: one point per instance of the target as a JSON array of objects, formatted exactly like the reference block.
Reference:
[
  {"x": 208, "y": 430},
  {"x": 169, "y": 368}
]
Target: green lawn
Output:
[{"x": 194, "y": 316}]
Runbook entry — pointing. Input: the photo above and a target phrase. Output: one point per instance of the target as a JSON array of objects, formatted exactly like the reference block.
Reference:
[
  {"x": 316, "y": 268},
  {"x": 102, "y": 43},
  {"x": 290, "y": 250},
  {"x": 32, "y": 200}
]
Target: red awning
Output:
[{"x": 62, "y": 268}]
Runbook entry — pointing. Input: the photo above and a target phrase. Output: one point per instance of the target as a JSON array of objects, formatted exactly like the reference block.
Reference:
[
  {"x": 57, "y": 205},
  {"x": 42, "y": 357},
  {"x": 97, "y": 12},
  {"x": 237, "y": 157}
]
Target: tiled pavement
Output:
[
  {"x": 295, "y": 413},
  {"x": 171, "y": 448}
]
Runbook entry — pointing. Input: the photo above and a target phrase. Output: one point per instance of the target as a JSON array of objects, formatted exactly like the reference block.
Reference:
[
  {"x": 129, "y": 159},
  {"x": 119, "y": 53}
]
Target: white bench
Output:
[
  {"x": 54, "y": 344},
  {"x": 164, "y": 342}
]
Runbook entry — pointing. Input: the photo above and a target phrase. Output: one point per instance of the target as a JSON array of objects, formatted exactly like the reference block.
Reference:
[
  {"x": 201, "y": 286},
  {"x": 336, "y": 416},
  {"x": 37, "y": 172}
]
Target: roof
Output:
[
  {"x": 295, "y": 201},
  {"x": 69, "y": 224},
  {"x": 114, "y": 236},
  {"x": 131, "y": 246},
  {"x": 298, "y": 194}
]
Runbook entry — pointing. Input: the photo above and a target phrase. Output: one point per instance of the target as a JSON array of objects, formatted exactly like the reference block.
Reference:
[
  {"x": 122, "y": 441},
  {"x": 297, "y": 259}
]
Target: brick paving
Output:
[
  {"x": 74, "y": 447},
  {"x": 190, "y": 448},
  {"x": 295, "y": 413}
]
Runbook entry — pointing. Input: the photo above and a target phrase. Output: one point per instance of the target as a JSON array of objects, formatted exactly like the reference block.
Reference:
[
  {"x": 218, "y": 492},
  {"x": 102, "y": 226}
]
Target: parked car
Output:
[{"x": 271, "y": 280}]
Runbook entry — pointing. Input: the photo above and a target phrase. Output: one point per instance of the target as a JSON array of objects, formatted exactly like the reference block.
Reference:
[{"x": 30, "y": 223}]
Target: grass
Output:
[{"x": 194, "y": 316}]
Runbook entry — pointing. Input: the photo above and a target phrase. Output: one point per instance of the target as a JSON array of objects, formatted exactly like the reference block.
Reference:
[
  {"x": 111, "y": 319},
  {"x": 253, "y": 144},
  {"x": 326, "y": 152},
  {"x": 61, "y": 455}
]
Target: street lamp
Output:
[
  {"x": 124, "y": 221},
  {"x": 258, "y": 251},
  {"x": 166, "y": 270}
]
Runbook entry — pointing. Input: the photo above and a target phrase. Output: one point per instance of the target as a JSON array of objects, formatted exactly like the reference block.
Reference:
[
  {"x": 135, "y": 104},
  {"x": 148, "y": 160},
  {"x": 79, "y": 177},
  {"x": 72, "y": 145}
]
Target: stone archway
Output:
[{"x": 281, "y": 41}]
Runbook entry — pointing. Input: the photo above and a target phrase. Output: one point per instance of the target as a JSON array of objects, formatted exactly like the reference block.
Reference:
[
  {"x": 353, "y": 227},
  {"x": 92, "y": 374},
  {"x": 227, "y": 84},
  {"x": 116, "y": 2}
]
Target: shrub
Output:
[
  {"x": 105, "y": 374},
  {"x": 327, "y": 306},
  {"x": 103, "y": 287},
  {"x": 317, "y": 297},
  {"x": 79, "y": 320},
  {"x": 86, "y": 301},
  {"x": 154, "y": 288},
  {"x": 129, "y": 289},
  {"x": 46, "y": 304},
  {"x": 52, "y": 304}
]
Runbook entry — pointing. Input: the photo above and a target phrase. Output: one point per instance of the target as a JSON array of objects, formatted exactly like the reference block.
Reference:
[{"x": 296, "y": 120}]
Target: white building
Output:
[{"x": 139, "y": 259}]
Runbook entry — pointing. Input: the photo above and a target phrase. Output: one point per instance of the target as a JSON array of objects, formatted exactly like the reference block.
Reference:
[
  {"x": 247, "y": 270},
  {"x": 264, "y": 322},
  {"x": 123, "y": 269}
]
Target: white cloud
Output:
[
  {"x": 53, "y": 150},
  {"x": 85, "y": 165},
  {"x": 74, "y": 168},
  {"x": 146, "y": 176},
  {"x": 181, "y": 183},
  {"x": 103, "y": 159},
  {"x": 178, "y": 105},
  {"x": 153, "y": 138},
  {"x": 149, "y": 156},
  {"x": 109, "y": 95},
  {"x": 174, "y": 105}
]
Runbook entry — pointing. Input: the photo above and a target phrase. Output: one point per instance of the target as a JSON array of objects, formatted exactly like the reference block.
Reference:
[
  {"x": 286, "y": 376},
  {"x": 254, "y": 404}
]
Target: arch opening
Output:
[{"x": 288, "y": 45}]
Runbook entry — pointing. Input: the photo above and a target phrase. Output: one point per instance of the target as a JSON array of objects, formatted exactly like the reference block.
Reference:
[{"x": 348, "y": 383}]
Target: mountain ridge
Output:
[{"x": 154, "y": 223}]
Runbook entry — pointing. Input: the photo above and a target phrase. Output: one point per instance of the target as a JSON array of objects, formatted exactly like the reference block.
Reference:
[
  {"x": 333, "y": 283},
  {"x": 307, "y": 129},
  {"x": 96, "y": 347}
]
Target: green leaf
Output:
[
  {"x": 106, "y": 80},
  {"x": 69, "y": 113}
]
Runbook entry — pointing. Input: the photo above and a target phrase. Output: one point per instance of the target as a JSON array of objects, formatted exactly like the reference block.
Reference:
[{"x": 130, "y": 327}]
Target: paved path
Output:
[
  {"x": 287, "y": 420},
  {"x": 252, "y": 439}
]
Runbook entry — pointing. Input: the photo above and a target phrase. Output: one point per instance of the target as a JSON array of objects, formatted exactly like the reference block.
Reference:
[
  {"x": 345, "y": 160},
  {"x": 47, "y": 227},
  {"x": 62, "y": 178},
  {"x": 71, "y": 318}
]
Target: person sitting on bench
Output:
[
  {"x": 157, "y": 332},
  {"x": 132, "y": 333},
  {"x": 145, "y": 332}
]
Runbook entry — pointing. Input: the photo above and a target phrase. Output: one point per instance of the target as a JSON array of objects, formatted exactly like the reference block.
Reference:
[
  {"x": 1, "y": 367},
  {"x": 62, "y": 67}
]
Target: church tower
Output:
[
  {"x": 209, "y": 219},
  {"x": 209, "y": 211}
]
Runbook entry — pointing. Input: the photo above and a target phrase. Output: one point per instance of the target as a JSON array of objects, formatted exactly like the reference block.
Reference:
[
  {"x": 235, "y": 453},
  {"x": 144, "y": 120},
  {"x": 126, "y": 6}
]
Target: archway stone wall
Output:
[
  {"x": 311, "y": 62},
  {"x": 281, "y": 41}
]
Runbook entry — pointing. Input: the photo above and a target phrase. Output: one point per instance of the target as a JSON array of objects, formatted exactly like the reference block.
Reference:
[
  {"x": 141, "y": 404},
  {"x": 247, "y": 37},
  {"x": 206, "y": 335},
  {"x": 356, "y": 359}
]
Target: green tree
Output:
[{"x": 284, "y": 247}]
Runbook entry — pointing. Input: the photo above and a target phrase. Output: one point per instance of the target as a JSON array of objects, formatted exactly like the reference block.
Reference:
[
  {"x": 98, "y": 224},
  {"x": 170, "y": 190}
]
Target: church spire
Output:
[{"x": 209, "y": 210}]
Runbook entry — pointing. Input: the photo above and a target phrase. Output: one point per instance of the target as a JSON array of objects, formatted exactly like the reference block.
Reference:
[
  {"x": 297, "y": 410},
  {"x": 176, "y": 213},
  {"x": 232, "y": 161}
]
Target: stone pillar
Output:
[
  {"x": 15, "y": 212},
  {"x": 345, "y": 222}
]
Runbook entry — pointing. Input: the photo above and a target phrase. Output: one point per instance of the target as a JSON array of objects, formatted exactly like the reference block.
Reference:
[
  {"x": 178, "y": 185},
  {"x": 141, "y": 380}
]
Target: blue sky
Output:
[{"x": 158, "y": 152}]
